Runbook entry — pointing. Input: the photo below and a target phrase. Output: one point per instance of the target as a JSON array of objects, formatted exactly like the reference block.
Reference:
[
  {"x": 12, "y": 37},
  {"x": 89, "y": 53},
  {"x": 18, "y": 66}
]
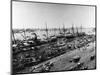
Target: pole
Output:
[
  {"x": 13, "y": 37},
  {"x": 64, "y": 28},
  {"x": 81, "y": 28},
  {"x": 46, "y": 30},
  {"x": 72, "y": 29},
  {"x": 24, "y": 33}
]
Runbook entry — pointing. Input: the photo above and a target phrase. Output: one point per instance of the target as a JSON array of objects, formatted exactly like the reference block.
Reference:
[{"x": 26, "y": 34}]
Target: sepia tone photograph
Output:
[{"x": 52, "y": 37}]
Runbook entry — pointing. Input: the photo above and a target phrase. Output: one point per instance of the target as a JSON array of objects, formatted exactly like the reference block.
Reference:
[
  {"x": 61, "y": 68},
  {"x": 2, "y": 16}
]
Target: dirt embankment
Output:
[{"x": 62, "y": 62}]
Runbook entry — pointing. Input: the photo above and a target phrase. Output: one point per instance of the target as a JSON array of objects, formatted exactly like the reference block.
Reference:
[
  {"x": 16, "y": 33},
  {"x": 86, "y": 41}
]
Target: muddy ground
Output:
[{"x": 65, "y": 61}]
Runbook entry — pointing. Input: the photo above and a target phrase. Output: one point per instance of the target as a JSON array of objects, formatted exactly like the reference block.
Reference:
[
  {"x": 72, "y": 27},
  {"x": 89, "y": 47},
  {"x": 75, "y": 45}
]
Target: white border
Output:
[{"x": 5, "y": 37}]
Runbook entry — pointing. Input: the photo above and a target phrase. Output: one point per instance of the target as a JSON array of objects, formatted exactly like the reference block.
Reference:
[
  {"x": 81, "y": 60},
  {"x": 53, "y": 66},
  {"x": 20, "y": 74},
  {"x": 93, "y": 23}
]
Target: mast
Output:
[
  {"x": 23, "y": 36},
  {"x": 77, "y": 30},
  {"x": 64, "y": 28},
  {"x": 24, "y": 33},
  {"x": 72, "y": 29},
  {"x": 59, "y": 30},
  {"x": 13, "y": 37},
  {"x": 46, "y": 30},
  {"x": 81, "y": 28}
]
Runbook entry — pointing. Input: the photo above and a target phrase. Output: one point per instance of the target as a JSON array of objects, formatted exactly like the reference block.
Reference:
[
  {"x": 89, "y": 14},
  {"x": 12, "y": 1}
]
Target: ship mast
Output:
[
  {"x": 64, "y": 28},
  {"x": 77, "y": 30},
  {"x": 59, "y": 30},
  {"x": 72, "y": 29},
  {"x": 46, "y": 30},
  {"x": 81, "y": 28},
  {"x": 13, "y": 37},
  {"x": 24, "y": 33}
]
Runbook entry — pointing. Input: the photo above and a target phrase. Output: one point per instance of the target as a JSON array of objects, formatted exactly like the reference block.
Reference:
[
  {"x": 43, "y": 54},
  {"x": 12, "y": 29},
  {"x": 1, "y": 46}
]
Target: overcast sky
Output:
[{"x": 35, "y": 15}]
